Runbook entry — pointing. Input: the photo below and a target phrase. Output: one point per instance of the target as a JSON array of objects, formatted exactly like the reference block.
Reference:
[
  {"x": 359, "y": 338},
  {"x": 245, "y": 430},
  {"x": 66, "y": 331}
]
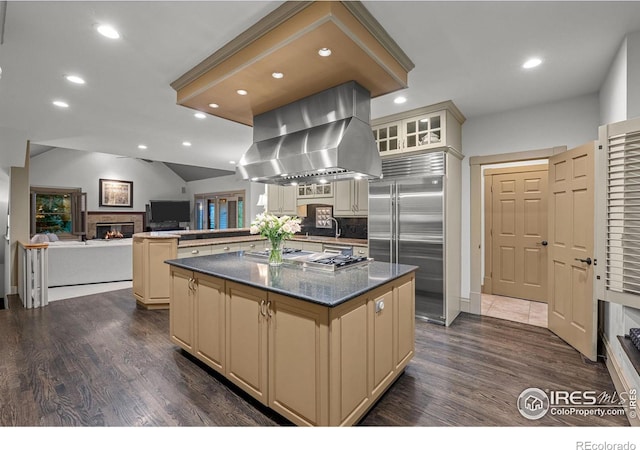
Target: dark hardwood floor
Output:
[{"x": 100, "y": 361}]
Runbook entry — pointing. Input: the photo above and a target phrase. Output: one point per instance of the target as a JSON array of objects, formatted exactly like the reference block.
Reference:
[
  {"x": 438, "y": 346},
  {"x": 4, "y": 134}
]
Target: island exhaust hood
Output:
[{"x": 319, "y": 139}]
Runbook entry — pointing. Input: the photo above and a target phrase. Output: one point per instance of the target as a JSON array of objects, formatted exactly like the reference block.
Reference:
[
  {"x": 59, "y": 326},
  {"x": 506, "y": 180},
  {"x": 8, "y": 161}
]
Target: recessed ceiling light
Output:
[
  {"x": 323, "y": 181},
  {"x": 324, "y": 51},
  {"x": 277, "y": 75},
  {"x": 254, "y": 179},
  {"x": 108, "y": 31},
  {"x": 60, "y": 104},
  {"x": 200, "y": 115},
  {"x": 293, "y": 183},
  {"x": 186, "y": 144},
  {"x": 232, "y": 162},
  {"x": 142, "y": 147},
  {"x": 242, "y": 92},
  {"x": 284, "y": 175},
  {"x": 399, "y": 100},
  {"x": 214, "y": 105},
  {"x": 74, "y": 79},
  {"x": 531, "y": 63}
]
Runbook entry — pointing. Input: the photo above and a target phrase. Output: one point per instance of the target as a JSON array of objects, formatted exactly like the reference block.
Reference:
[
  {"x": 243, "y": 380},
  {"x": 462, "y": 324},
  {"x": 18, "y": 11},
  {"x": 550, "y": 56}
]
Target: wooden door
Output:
[
  {"x": 572, "y": 309},
  {"x": 519, "y": 232}
]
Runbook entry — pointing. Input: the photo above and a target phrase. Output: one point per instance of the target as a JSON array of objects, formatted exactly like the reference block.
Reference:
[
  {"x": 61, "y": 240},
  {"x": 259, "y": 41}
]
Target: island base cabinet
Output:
[
  {"x": 246, "y": 339},
  {"x": 182, "y": 313},
  {"x": 313, "y": 364},
  {"x": 298, "y": 352},
  {"x": 350, "y": 394},
  {"x": 209, "y": 321},
  {"x": 196, "y": 317}
]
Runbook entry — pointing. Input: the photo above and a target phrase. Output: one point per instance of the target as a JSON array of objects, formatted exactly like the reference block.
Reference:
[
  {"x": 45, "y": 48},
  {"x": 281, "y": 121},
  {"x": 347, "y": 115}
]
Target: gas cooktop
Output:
[{"x": 321, "y": 261}]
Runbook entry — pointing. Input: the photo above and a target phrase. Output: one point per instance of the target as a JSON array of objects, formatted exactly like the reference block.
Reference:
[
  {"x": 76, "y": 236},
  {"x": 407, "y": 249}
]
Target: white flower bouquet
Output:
[{"x": 276, "y": 230}]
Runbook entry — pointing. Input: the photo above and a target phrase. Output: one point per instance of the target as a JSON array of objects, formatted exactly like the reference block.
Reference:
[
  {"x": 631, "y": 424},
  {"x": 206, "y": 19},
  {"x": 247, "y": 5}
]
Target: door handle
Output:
[
  {"x": 585, "y": 260},
  {"x": 545, "y": 243}
]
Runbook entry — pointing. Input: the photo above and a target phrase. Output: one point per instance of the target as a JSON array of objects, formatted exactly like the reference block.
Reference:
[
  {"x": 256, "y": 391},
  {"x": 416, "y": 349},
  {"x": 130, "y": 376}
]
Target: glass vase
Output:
[{"x": 275, "y": 253}]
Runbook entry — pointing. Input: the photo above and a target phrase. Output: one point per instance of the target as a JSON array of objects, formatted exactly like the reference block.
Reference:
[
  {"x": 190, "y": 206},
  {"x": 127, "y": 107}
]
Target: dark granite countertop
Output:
[{"x": 312, "y": 285}]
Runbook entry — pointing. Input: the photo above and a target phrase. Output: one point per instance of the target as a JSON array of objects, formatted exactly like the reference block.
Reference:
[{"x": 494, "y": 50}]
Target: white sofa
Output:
[{"x": 93, "y": 261}]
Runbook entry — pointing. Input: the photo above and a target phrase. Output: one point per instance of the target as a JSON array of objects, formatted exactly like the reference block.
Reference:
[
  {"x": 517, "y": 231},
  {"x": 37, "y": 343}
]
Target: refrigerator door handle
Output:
[{"x": 396, "y": 228}]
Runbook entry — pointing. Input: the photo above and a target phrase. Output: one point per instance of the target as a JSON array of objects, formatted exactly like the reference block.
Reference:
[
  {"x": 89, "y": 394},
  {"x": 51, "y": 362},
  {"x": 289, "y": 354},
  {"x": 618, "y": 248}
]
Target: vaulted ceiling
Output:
[{"x": 468, "y": 52}]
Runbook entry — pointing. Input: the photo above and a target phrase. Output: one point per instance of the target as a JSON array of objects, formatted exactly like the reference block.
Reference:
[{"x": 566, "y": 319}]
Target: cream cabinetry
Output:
[
  {"x": 361, "y": 250},
  {"x": 422, "y": 129},
  {"x": 196, "y": 322},
  {"x": 281, "y": 200},
  {"x": 315, "y": 191},
  {"x": 351, "y": 198},
  {"x": 189, "y": 252},
  {"x": 225, "y": 248},
  {"x": 182, "y": 304},
  {"x": 150, "y": 273},
  {"x": 313, "y": 364}
]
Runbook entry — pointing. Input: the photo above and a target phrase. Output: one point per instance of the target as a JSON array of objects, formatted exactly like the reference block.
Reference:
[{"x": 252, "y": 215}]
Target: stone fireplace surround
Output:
[{"x": 104, "y": 217}]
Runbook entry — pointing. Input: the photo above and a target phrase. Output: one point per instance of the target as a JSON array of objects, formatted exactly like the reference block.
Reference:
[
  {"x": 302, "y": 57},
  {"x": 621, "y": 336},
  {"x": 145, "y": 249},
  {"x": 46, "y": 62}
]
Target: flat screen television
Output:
[{"x": 170, "y": 211}]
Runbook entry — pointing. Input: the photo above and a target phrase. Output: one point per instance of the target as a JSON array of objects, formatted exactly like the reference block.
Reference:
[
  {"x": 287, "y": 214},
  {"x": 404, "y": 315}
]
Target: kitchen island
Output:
[
  {"x": 152, "y": 249},
  {"x": 318, "y": 347}
]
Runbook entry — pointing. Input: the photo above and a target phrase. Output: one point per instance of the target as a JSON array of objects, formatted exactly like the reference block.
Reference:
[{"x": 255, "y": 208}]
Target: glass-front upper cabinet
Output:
[
  {"x": 388, "y": 138},
  {"x": 422, "y": 132},
  {"x": 315, "y": 190},
  {"x": 415, "y": 133}
]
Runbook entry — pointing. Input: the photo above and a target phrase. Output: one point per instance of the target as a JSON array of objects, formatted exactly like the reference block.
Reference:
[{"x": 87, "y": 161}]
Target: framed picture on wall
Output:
[{"x": 116, "y": 193}]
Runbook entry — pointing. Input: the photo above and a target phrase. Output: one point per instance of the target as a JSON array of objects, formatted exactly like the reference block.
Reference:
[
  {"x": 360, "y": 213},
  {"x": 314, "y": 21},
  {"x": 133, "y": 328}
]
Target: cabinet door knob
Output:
[
  {"x": 225, "y": 248},
  {"x": 361, "y": 252},
  {"x": 195, "y": 252},
  {"x": 252, "y": 246}
]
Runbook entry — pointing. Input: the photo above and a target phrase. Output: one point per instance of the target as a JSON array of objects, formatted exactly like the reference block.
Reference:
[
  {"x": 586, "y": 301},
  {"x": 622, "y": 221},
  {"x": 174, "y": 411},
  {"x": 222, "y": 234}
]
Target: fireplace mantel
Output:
[{"x": 102, "y": 217}]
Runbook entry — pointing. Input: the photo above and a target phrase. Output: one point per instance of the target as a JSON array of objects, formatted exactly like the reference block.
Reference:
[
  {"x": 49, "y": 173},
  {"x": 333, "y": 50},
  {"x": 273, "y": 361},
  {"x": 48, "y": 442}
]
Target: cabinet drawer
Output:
[
  {"x": 188, "y": 252},
  {"x": 225, "y": 248}
]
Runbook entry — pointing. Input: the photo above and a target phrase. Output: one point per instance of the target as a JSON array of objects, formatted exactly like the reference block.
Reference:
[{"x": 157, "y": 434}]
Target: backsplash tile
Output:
[{"x": 352, "y": 227}]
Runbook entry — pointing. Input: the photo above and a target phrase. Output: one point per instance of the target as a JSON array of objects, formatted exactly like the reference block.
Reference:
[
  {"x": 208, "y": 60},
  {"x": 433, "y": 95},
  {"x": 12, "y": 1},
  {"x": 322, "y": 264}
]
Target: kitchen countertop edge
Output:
[{"x": 400, "y": 270}]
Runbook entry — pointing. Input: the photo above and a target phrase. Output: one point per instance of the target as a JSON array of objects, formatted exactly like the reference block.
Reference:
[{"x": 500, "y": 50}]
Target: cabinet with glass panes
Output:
[
  {"x": 315, "y": 190},
  {"x": 425, "y": 128}
]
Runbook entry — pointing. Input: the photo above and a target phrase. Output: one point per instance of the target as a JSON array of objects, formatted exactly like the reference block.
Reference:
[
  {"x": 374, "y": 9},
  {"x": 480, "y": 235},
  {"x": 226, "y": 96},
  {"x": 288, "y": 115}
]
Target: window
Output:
[
  {"x": 219, "y": 210},
  {"x": 58, "y": 211}
]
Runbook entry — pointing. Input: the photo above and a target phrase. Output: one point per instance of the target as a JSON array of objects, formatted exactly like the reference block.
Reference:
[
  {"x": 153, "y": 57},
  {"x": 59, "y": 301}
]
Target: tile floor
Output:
[{"x": 515, "y": 309}]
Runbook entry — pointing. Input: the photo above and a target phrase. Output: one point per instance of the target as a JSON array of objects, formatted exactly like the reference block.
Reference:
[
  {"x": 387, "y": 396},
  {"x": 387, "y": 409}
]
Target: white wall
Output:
[
  {"x": 230, "y": 183},
  {"x": 613, "y": 93},
  {"x": 568, "y": 122},
  {"x": 73, "y": 168},
  {"x": 633, "y": 75},
  {"x": 4, "y": 203}
]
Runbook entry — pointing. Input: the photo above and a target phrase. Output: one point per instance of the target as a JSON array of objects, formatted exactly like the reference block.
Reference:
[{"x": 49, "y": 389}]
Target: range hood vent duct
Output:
[{"x": 322, "y": 138}]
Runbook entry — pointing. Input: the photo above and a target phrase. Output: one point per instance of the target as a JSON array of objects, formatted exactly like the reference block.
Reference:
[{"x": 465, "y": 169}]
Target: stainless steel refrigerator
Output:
[{"x": 406, "y": 216}]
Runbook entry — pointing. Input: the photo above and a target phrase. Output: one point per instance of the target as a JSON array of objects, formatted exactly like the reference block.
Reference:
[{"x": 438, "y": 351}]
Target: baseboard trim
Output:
[
  {"x": 465, "y": 305},
  {"x": 617, "y": 375},
  {"x": 475, "y": 302}
]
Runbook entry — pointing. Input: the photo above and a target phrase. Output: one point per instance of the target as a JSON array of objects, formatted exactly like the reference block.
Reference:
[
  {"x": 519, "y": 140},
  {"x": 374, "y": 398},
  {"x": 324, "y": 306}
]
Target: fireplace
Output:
[{"x": 114, "y": 230}]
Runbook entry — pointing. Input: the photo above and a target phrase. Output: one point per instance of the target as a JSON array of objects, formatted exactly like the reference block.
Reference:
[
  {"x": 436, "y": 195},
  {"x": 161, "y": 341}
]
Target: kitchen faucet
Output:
[{"x": 337, "y": 229}]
